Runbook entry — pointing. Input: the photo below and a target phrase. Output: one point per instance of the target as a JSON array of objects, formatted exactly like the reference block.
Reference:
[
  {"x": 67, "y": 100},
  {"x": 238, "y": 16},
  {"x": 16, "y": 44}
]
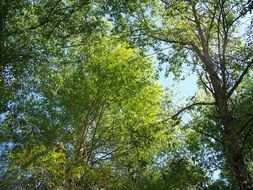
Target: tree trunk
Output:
[
  {"x": 236, "y": 157},
  {"x": 233, "y": 148},
  {"x": 241, "y": 173}
]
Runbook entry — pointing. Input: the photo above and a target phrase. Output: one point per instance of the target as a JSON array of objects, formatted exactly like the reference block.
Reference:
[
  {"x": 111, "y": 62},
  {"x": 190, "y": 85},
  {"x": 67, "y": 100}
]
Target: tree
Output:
[
  {"x": 81, "y": 107},
  {"x": 205, "y": 35},
  {"x": 89, "y": 121}
]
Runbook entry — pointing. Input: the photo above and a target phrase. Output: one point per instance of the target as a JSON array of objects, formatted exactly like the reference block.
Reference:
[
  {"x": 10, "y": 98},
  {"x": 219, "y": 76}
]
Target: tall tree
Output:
[
  {"x": 80, "y": 106},
  {"x": 92, "y": 112},
  {"x": 213, "y": 38}
]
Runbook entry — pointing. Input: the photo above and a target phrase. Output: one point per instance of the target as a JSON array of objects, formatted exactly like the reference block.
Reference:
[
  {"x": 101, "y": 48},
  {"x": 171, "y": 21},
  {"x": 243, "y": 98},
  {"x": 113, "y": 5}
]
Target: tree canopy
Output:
[{"x": 82, "y": 106}]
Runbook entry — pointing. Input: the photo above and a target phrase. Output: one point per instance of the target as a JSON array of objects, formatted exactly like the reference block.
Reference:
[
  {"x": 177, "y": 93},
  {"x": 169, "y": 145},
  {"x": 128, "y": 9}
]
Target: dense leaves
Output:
[{"x": 81, "y": 106}]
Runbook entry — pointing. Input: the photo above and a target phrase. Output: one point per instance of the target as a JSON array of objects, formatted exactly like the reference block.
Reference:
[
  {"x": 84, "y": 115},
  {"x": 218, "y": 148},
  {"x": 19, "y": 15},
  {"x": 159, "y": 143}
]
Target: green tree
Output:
[
  {"x": 92, "y": 114},
  {"x": 208, "y": 36},
  {"x": 81, "y": 107}
]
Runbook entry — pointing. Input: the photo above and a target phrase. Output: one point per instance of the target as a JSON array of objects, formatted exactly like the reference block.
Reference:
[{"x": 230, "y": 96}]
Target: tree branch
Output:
[
  {"x": 205, "y": 85},
  {"x": 240, "y": 79},
  {"x": 208, "y": 135},
  {"x": 190, "y": 107},
  {"x": 184, "y": 109}
]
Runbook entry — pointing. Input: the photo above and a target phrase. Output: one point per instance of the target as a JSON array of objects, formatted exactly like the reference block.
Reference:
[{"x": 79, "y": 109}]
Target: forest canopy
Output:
[{"x": 84, "y": 105}]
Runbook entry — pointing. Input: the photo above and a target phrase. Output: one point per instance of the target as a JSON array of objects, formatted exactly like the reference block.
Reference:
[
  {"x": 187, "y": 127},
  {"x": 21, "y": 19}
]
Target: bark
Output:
[
  {"x": 232, "y": 145},
  {"x": 233, "y": 148},
  {"x": 239, "y": 167}
]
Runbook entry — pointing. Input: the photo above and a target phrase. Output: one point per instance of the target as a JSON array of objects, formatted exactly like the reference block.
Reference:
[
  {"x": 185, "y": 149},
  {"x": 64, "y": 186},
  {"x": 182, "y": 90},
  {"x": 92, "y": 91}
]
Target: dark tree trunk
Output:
[
  {"x": 236, "y": 157},
  {"x": 232, "y": 144},
  {"x": 233, "y": 148}
]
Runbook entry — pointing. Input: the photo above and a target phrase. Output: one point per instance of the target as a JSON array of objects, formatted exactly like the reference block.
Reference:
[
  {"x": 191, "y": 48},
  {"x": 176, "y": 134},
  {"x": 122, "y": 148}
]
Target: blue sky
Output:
[{"x": 186, "y": 87}]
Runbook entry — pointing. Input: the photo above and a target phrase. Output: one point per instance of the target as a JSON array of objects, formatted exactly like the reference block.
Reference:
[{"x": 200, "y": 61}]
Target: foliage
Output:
[{"x": 81, "y": 106}]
